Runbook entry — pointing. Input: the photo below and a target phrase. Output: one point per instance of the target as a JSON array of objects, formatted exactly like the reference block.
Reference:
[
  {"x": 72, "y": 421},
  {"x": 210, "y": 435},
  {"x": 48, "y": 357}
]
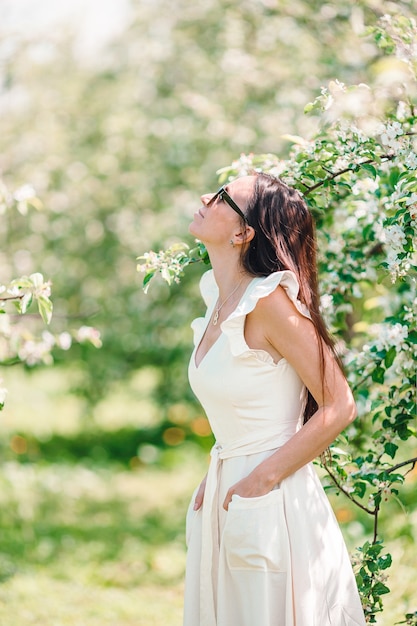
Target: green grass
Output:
[
  {"x": 92, "y": 546},
  {"x": 101, "y": 544},
  {"x": 86, "y": 543},
  {"x": 44, "y": 601}
]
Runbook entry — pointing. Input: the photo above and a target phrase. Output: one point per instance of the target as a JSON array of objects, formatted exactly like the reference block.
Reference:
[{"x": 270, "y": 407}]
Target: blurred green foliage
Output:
[{"x": 91, "y": 545}]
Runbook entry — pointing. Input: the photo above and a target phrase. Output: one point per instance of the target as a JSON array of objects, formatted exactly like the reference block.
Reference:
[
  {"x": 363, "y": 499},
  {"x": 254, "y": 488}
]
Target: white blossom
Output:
[
  {"x": 336, "y": 245},
  {"x": 365, "y": 185},
  {"x": 389, "y": 136},
  {"x": 33, "y": 352},
  {"x": 411, "y": 199},
  {"x": 3, "y": 393},
  {"x": 24, "y": 193},
  {"x": 411, "y": 161},
  {"x": 48, "y": 339},
  {"x": 326, "y": 301},
  {"x": 411, "y": 202},
  {"x": 64, "y": 341},
  {"x": 366, "y": 210},
  {"x": 393, "y": 130},
  {"x": 396, "y": 267},
  {"x": 351, "y": 222},
  {"x": 341, "y": 163},
  {"x": 14, "y": 291},
  {"x": 395, "y": 236},
  {"x": 390, "y": 335},
  {"x": 89, "y": 334},
  {"x": 5, "y": 326},
  {"x": 402, "y": 110}
]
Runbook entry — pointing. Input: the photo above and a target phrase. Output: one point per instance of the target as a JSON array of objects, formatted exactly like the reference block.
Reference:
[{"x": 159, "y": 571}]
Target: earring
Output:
[{"x": 232, "y": 243}]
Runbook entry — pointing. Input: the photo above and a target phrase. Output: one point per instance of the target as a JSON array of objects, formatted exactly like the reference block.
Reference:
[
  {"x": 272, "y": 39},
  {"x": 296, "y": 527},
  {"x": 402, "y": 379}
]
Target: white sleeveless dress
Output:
[{"x": 277, "y": 559}]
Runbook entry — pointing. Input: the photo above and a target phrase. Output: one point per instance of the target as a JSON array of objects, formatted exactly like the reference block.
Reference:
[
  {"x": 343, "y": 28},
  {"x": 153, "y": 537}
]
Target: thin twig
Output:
[
  {"x": 339, "y": 486},
  {"x": 376, "y": 510},
  {"x": 58, "y": 316},
  {"x": 413, "y": 462},
  {"x": 387, "y": 157},
  {"x": 13, "y": 298},
  {"x": 375, "y": 514},
  {"x": 364, "y": 379}
]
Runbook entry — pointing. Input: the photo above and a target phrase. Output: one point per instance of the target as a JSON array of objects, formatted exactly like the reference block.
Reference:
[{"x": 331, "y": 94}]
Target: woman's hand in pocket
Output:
[
  {"x": 254, "y": 485},
  {"x": 200, "y": 494}
]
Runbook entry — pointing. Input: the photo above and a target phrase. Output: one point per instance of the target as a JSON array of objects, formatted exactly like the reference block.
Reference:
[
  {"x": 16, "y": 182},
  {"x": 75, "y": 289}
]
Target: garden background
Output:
[{"x": 112, "y": 124}]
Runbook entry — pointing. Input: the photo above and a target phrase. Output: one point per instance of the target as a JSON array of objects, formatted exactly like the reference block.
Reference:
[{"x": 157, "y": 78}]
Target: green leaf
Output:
[
  {"x": 390, "y": 449},
  {"x": 385, "y": 561},
  {"x": 370, "y": 168},
  {"x": 45, "y": 308},
  {"x": 374, "y": 549},
  {"x": 26, "y": 302},
  {"x": 390, "y": 356},
  {"x": 36, "y": 279},
  {"x": 146, "y": 280},
  {"x": 379, "y": 589},
  {"x": 412, "y": 336},
  {"x": 378, "y": 375},
  {"x": 360, "y": 489},
  {"x": 310, "y": 107}
]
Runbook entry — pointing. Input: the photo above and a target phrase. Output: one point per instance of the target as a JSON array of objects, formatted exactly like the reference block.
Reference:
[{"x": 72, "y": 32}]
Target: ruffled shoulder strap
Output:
[
  {"x": 210, "y": 293},
  {"x": 260, "y": 287},
  {"x": 208, "y": 288}
]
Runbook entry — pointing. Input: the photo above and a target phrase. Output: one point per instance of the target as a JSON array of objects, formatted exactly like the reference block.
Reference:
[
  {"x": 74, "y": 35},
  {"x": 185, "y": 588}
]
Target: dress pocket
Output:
[
  {"x": 190, "y": 517},
  {"x": 255, "y": 533}
]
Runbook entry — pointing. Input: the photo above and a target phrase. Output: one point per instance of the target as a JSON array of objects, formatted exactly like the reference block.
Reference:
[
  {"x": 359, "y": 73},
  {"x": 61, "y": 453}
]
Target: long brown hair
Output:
[{"x": 285, "y": 240}]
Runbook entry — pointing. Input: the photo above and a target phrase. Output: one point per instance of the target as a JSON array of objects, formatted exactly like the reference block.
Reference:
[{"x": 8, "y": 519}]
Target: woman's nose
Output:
[{"x": 206, "y": 197}]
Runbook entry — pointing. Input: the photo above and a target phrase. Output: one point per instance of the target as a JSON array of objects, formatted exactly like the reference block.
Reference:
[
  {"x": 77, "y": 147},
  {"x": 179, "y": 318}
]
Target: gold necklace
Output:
[{"x": 218, "y": 308}]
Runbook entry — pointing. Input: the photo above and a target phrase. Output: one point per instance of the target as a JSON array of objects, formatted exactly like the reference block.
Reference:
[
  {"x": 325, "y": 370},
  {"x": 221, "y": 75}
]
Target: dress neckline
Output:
[{"x": 208, "y": 318}]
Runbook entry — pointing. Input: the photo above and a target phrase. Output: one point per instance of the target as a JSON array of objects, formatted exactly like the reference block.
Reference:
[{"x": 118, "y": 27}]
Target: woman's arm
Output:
[{"x": 288, "y": 333}]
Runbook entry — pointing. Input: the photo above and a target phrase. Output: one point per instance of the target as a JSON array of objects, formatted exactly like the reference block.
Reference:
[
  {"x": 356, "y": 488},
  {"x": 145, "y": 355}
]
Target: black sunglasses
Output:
[{"x": 223, "y": 195}]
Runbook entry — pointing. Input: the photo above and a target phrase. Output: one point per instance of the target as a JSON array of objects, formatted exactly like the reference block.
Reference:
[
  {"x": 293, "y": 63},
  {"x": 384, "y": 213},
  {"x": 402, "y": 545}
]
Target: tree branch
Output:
[
  {"x": 347, "y": 494},
  {"x": 79, "y": 316},
  {"x": 374, "y": 512},
  {"x": 360, "y": 383},
  {"x": 12, "y": 298},
  {"x": 412, "y": 461},
  {"x": 387, "y": 157}
]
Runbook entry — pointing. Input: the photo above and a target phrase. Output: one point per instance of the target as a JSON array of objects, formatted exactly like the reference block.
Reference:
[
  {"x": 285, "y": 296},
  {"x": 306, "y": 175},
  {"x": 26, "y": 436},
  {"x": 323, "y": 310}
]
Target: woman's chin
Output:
[{"x": 192, "y": 229}]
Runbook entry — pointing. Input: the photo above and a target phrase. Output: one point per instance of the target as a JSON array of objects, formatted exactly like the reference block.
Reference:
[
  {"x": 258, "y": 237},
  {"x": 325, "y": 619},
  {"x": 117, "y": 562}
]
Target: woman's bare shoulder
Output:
[{"x": 277, "y": 306}]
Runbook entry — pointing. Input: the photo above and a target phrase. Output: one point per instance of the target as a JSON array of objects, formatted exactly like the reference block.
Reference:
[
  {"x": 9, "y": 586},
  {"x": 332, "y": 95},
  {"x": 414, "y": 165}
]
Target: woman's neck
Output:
[{"x": 228, "y": 273}]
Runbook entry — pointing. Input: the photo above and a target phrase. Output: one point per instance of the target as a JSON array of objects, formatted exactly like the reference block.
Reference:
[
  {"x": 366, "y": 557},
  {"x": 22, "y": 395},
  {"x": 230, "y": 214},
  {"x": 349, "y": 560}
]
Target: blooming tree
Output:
[
  {"x": 18, "y": 343},
  {"x": 358, "y": 175}
]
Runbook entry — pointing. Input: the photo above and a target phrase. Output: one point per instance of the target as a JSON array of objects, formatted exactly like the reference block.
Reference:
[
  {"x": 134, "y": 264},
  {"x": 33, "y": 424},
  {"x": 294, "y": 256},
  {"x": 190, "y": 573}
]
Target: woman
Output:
[{"x": 264, "y": 548}]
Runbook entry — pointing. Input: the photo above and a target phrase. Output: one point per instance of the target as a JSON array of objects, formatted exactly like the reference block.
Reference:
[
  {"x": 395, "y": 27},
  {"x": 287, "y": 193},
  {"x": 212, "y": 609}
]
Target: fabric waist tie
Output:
[{"x": 210, "y": 521}]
